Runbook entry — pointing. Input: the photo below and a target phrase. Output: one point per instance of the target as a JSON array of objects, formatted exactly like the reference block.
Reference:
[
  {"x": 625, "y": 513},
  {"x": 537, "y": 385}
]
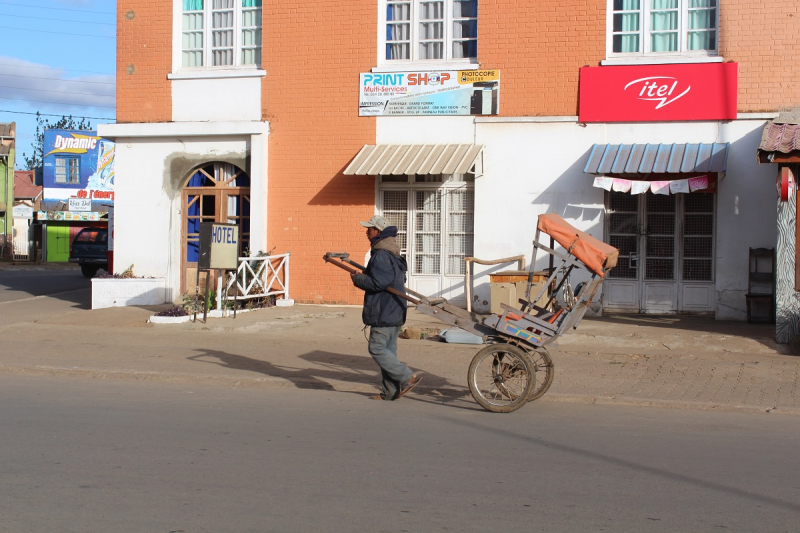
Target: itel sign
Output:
[{"x": 652, "y": 93}]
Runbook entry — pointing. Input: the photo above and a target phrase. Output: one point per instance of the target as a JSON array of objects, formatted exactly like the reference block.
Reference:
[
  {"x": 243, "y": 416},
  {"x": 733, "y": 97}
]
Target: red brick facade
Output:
[{"x": 313, "y": 53}]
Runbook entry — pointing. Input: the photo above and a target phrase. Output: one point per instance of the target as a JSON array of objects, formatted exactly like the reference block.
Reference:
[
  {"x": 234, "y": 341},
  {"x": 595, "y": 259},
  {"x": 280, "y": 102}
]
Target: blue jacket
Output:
[{"x": 385, "y": 269}]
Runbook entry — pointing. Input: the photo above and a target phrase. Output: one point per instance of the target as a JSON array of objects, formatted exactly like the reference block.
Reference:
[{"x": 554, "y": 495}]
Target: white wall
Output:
[
  {"x": 223, "y": 99},
  {"x": 537, "y": 167},
  {"x": 150, "y": 173}
]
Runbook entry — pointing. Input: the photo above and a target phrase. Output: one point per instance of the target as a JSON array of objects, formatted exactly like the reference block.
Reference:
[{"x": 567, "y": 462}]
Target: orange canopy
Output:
[{"x": 595, "y": 254}]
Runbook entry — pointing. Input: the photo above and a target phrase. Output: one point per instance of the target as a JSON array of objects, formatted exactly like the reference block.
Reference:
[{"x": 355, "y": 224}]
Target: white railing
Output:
[{"x": 258, "y": 277}]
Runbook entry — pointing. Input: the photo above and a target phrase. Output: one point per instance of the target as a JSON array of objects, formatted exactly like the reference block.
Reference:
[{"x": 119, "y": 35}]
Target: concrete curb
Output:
[{"x": 342, "y": 386}]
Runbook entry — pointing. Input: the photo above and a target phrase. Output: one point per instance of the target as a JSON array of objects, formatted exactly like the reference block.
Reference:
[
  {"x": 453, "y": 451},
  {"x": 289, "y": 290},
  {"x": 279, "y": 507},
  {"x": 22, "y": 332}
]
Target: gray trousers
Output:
[{"x": 383, "y": 348}]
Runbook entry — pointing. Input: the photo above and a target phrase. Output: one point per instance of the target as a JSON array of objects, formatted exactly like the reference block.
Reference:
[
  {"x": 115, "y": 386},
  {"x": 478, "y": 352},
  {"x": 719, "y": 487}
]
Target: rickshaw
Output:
[{"x": 515, "y": 366}]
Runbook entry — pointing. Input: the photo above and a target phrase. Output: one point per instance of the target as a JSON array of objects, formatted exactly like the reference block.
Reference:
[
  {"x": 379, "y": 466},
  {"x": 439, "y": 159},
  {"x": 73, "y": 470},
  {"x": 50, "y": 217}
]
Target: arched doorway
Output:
[{"x": 215, "y": 192}]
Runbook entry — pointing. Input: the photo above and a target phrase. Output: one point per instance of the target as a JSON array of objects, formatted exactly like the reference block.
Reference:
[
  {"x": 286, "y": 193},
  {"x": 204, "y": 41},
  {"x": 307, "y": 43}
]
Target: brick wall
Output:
[
  {"x": 313, "y": 54},
  {"x": 144, "y": 58},
  {"x": 539, "y": 48},
  {"x": 763, "y": 38},
  {"x": 540, "y": 52}
]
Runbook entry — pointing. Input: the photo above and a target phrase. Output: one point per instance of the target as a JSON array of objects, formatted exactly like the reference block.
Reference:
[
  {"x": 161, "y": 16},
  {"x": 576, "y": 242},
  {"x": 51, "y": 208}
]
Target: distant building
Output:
[
  {"x": 7, "y": 153},
  {"x": 27, "y": 199}
]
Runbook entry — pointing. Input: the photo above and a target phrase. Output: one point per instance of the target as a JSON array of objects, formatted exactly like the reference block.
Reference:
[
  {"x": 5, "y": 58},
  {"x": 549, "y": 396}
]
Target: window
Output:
[
  {"x": 68, "y": 170},
  {"x": 434, "y": 218},
  {"x": 656, "y": 27},
  {"x": 421, "y": 30},
  {"x": 220, "y": 33}
]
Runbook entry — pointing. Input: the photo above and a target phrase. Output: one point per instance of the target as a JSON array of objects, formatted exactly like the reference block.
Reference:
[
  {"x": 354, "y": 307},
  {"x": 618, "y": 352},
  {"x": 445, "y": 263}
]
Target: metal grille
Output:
[
  {"x": 460, "y": 229},
  {"x": 395, "y": 210},
  {"x": 622, "y": 233},
  {"x": 698, "y": 237},
  {"x": 427, "y": 232},
  {"x": 660, "y": 241}
]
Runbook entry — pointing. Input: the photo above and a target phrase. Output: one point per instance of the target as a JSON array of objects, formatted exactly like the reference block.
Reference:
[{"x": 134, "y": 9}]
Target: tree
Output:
[{"x": 64, "y": 123}]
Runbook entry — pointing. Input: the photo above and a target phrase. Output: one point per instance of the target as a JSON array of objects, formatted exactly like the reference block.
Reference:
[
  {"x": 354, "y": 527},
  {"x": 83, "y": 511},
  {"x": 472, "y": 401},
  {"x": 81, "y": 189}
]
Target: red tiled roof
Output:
[
  {"x": 782, "y": 138},
  {"x": 24, "y": 184}
]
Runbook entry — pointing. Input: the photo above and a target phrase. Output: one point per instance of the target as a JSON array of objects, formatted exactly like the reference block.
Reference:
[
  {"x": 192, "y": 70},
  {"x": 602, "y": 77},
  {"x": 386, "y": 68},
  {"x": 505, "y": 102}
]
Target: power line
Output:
[
  {"x": 51, "y": 115},
  {"x": 56, "y": 79},
  {"x": 58, "y": 32},
  {"x": 60, "y": 9},
  {"x": 55, "y": 68},
  {"x": 60, "y": 20},
  {"x": 57, "y": 103},
  {"x": 61, "y": 92}
]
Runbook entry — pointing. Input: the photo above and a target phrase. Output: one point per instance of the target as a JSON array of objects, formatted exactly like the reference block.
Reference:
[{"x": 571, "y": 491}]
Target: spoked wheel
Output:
[
  {"x": 501, "y": 378},
  {"x": 543, "y": 366}
]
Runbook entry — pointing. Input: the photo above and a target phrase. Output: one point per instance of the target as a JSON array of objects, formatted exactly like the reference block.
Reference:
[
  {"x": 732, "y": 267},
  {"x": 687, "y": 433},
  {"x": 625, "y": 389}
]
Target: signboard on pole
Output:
[
  {"x": 455, "y": 92},
  {"x": 219, "y": 246}
]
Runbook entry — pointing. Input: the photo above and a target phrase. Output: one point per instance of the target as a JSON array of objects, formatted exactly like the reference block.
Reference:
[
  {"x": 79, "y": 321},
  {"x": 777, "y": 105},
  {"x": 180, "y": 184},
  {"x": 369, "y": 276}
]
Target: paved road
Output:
[{"x": 125, "y": 456}]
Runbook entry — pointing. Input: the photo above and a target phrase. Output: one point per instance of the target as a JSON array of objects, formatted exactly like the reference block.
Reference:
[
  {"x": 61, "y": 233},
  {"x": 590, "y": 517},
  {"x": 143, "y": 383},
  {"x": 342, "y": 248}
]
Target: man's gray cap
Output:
[{"x": 377, "y": 222}]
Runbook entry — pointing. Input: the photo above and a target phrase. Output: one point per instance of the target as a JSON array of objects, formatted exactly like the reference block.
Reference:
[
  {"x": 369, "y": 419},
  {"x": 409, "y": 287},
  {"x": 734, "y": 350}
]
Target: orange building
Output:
[{"x": 460, "y": 121}]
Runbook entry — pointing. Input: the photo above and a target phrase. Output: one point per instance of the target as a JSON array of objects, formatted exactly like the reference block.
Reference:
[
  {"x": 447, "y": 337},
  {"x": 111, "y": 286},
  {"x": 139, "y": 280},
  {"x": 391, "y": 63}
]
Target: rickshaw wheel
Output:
[
  {"x": 543, "y": 366},
  {"x": 501, "y": 378}
]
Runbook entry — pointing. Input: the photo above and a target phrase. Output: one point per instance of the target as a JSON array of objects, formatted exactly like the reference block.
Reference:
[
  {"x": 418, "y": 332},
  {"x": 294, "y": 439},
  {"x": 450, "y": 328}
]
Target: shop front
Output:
[{"x": 660, "y": 204}]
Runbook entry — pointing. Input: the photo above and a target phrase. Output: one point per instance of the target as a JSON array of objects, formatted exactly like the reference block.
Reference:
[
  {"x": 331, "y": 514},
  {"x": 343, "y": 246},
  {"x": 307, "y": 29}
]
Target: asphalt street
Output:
[{"x": 125, "y": 456}]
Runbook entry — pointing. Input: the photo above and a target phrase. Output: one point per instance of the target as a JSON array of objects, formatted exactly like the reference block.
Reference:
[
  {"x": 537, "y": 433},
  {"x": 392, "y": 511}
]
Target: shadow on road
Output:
[
  {"x": 331, "y": 367},
  {"x": 65, "y": 283}
]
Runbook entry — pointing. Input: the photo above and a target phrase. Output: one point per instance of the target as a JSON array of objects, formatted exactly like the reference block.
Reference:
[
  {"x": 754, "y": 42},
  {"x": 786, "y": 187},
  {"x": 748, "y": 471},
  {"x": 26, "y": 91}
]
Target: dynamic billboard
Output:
[
  {"x": 78, "y": 165},
  {"x": 457, "y": 92}
]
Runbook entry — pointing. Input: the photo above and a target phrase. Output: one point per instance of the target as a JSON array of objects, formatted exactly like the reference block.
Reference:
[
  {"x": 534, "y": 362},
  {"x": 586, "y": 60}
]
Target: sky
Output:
[{"x": 57, "y": 57}]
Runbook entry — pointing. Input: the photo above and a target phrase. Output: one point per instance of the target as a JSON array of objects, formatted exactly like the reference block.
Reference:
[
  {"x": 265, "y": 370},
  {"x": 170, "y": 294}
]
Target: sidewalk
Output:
[{"x": 669, "y": 361}]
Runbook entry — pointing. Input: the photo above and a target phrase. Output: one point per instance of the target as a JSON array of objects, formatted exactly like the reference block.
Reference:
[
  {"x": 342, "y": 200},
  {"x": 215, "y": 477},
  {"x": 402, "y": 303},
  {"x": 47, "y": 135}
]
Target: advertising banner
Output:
[
  {"x": 78, "y": 164},
  {"x": 456, "y": 92},
  {"x": 653, "y": 93}
]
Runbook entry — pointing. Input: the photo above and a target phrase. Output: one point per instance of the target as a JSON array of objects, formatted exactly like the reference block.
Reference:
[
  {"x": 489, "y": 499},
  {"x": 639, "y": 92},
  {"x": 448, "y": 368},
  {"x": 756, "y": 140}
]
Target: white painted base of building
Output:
[
  {"x": 169, "y": 319},
  {"x": 121, "y": 292}
]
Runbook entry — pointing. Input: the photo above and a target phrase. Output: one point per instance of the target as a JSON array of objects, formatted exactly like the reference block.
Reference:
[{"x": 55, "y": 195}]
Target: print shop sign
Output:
[
  {"x": 654, "y": 93},
  {"x": 461, "y": 92}
]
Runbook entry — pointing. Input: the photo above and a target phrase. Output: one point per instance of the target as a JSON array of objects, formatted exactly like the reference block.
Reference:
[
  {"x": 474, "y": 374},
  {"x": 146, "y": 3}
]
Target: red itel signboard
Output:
[{"x": 653, "y": 93}]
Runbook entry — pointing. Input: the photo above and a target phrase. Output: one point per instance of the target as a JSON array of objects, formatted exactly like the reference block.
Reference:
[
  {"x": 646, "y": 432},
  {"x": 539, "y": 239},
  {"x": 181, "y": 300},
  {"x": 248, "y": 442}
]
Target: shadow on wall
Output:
[
  {"x": 346, "y": 190},
  {"x": 741, "y": 201},
  {"x": 567, "y": 196}
]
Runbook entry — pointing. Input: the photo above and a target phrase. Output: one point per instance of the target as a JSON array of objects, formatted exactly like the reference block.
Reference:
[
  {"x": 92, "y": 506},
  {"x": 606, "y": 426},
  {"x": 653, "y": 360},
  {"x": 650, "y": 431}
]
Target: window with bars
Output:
[
  {"x": 436, "y": 224},
  {"x": 420, "y": 30},
  {"x": 645, "y": 229},
  {"x": 220, "y": 33},
  {"x": 646, "y": 27},
  {"x": 698, "y": 237},
  {"x": 68, "y": 170}
]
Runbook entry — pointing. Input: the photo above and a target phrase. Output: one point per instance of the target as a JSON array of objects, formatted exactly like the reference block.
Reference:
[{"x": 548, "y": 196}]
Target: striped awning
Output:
[
  {"x": 657, "y": 158},
  {"x": 399, "y": 159}
]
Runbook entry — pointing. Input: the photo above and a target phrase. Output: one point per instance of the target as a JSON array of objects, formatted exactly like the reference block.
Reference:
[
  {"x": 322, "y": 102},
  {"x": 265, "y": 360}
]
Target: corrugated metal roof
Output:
[
  {"x": 7, "y": 129},
  {"x": 399, "y": 159},
  {"x": 657, "y": 158},
  {"x": 782, "y": 138}
]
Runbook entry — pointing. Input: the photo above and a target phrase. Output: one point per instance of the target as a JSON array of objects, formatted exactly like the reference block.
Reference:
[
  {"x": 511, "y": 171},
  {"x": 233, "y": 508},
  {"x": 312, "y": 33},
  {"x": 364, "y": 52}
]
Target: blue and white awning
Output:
[{"x": 657, "y": 158}]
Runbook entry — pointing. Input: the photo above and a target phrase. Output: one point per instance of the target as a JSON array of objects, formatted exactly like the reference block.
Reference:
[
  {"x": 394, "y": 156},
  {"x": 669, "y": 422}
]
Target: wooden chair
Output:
[{"x": 761, "y": 282}]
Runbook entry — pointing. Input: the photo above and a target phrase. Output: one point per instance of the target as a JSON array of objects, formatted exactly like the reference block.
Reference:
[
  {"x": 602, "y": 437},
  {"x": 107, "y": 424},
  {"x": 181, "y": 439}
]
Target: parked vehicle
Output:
[{"x": 89, "y": 249}]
